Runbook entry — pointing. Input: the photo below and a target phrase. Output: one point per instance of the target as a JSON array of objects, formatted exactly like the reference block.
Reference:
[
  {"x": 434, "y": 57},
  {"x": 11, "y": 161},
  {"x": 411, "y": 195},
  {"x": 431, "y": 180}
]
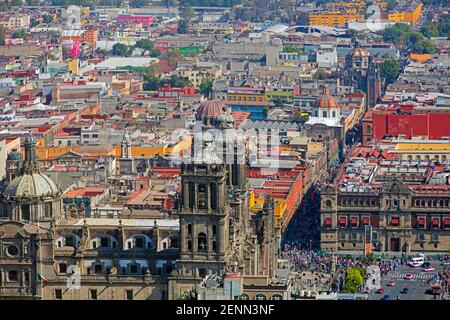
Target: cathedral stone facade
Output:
[
  {"x": 46, "y": 254},
  {"x": 216, "y": 231}
]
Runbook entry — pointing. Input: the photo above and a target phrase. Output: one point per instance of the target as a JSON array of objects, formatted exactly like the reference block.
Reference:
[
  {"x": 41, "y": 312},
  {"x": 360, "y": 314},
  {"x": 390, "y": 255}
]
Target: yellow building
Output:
[
  {"x": 245, "y": 94},
  {"x": 359, "y": 5},
  {"x": 421, "y": 150},
  {"x": 280, "y": 208},
  {"x": 412, "y": 16},
  {"x": 335, "y": 18}
]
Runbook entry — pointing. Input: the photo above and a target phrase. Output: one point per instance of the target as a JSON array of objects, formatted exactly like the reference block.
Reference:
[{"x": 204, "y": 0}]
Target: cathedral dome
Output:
[
  {"x": 326, "y": 101},
  {"x": 210, "y": 109},
  {"x": 359, "y": 52},
  {"x": 31, "y": 185}
]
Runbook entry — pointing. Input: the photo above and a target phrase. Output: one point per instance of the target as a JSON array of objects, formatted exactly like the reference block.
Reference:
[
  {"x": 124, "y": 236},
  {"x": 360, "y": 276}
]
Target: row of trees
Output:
[{"x": 120, "y": 49}]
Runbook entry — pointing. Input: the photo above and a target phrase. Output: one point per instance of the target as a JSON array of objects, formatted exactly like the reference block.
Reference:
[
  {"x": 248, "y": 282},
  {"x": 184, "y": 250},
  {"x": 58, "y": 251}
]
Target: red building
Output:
[
  {"x": 168, "y": 92},
  {"x": 407, "y": 121}
]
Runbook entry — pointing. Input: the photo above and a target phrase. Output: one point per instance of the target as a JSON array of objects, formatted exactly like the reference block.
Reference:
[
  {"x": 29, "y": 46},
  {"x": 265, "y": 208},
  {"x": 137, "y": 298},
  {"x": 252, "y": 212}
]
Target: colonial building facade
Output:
[{"x": 404, "y": 218}]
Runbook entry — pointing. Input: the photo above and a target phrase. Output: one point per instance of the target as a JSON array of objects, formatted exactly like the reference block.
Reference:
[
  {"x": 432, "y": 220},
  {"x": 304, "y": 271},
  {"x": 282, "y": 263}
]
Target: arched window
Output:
[
  {"x": 202, "y": 244},
  {"x": 243, "y": 297},
  {"x": 276, "y": 297},
  {"x": 260, "y": 297},
  {"x": 325, "y": 114},
  {"x": 328, "y": 204},
  {"x": 334, "y": 114}
]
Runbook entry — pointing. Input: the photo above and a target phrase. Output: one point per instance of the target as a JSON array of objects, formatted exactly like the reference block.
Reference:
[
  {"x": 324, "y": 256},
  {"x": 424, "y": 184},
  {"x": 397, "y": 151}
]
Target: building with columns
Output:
[{"x": 405, "y": 203}]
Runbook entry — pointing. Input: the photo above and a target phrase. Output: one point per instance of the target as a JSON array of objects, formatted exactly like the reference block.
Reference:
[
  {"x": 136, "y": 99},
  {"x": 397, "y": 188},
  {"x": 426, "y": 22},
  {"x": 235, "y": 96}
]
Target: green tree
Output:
[
  {"x": 47, "y": 19},
  {"x": 206, "y": 87},
  {"x": 390, "y": 70},
  {"x": 16, "y": 3},
  {"x": 291, "y": 49},
  {"x": 19, "y": 34},
  {"x": 4, "y": 7},
  {"x": 320, "y": 74},
  {"x": 120, "y": 49},
  {"x": 147, "y": 45}
]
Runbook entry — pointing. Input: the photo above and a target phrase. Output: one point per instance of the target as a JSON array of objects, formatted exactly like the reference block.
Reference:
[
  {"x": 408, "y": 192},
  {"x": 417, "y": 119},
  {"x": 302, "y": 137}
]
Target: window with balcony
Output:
[
  {"x": 327, "y": 222},
  {"x": 447, "y": 223},
  {"x": 435, "y": 223},
  {"x": 421, "y": 222},
  {"x": 395, "y": 221},
  {"x": 354, "y": 221},
  {"x": 365, "y": 221},
  {"x": 342, "y": 221}
]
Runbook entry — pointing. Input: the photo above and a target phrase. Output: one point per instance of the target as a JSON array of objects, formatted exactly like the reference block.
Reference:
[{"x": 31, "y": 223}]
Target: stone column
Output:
[
  {"x": 194, "y": 238},
  {"x": 221, "y": 238},
  {"x": 209, "y": 238},
  {"x": 186, "y": 195}
]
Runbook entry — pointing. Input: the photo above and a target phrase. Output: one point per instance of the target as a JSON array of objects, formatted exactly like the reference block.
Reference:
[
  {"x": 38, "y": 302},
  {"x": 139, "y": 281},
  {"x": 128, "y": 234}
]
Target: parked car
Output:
[
  {"x": 380, "y": 291},
  {"x": 391, "y": 283}
]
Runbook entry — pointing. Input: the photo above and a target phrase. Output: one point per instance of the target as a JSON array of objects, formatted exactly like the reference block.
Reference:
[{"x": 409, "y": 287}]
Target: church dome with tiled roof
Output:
[
  {"x": 31, "y": 183},
  {"x": 326, "y": 101},
  {"x": 359, "y": 52},
  {"x": 210, "y": 109}
]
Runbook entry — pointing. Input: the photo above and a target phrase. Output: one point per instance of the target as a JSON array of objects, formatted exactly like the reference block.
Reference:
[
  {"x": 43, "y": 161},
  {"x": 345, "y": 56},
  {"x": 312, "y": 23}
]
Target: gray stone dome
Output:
[{"x": 31, "y": 185}]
